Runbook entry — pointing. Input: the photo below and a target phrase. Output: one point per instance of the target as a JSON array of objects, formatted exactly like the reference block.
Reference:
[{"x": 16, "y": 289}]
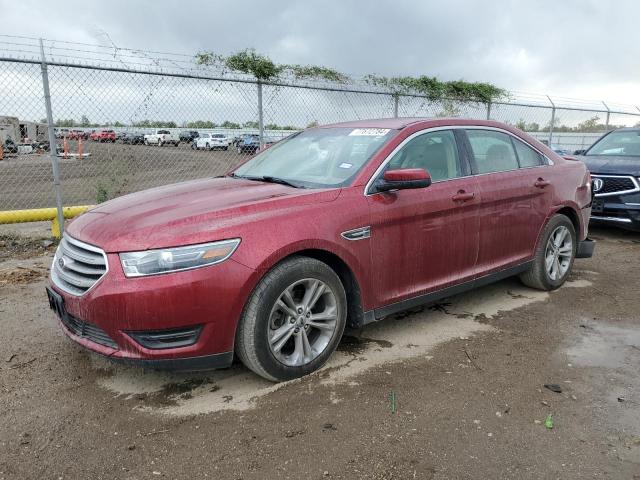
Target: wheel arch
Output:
[
  {"x": 569, "y": 212},
  {"x": 355, "y": 310},
  {"x": 346, "y": 273}
]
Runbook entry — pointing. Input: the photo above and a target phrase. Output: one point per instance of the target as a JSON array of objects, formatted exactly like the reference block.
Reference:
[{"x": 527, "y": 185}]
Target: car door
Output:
[
  {"x": 424, "y": 239},
  {"x": 512, "y": 209}
]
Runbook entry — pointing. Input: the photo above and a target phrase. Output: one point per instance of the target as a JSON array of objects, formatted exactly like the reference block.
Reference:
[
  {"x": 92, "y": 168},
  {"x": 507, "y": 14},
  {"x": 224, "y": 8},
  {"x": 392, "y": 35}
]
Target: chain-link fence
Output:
[{"x": 123, "y": 126}]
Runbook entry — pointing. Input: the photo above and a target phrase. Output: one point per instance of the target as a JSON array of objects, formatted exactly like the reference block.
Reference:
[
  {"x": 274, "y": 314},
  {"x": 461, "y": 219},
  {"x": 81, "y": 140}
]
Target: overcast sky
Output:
[{"x": 573, "y": 48}]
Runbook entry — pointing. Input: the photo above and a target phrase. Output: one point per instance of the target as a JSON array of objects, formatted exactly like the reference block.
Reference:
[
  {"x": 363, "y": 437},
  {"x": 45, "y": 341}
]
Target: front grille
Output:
[
  {"x": 77, "y": 266},
  {"x": 88, "y": 331},
  {"x": 616, "y": 185}
]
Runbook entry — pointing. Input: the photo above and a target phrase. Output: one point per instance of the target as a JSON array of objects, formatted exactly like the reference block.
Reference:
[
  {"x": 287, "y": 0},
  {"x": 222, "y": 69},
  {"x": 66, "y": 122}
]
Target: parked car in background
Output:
[
  {"x": 103, "y": 136},
  {"x": 162, "y": 137},
  {"x": 188, "y": 136},
  {"x": 338, "y": 225},
  {"x": 61, "y": 132},
  {"x": 10, "y": 146},
  {"x": 211, "y": 141},
  {"x": 614, "y": 162},
  {"x": 556, "y": 148},
  {"x": 132, "y": 138},
  {"x": 78, "y": 135},
  {"x": 248, "y": 144}
]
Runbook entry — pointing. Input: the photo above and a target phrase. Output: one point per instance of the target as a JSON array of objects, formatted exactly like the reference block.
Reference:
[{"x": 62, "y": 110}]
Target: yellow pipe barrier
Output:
[{"x": 42, "y": 214}]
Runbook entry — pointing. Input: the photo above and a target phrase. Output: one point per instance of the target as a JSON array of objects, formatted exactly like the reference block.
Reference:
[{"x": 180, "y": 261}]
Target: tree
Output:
[
  {"x": 231, "y": 125},
  {"x": 84, "y": 121},
  {"x": 250, "y": 124}
]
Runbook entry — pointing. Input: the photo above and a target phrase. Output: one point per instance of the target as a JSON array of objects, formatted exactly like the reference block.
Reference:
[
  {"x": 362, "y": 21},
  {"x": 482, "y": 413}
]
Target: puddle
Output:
[
  {"x": 392, "y": 340},
  {"x": 580, "y": 283},
  {"x": 615, "y": 353},
  {"x": 606, "y": 346}
]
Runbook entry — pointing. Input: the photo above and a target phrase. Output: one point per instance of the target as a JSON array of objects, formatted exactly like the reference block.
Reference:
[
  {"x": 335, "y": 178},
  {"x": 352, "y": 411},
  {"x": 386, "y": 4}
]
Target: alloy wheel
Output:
[
  {"x": 302, "y": 322},
  {"x": 558, "y": 253}
]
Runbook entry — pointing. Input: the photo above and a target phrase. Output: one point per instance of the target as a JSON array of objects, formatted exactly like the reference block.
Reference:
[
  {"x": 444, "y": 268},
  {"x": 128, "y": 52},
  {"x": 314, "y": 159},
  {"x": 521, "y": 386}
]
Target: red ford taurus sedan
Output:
[{"x": 337, "y": 225}]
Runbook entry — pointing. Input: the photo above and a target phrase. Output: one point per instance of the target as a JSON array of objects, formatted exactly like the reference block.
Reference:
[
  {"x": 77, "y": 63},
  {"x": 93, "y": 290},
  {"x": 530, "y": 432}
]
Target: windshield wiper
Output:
[{"x": 268, "y": 179}]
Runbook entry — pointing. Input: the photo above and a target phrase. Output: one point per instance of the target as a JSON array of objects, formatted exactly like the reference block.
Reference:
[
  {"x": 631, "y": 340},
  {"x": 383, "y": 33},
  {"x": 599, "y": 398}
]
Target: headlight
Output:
[{"x": 154, "y": 262}]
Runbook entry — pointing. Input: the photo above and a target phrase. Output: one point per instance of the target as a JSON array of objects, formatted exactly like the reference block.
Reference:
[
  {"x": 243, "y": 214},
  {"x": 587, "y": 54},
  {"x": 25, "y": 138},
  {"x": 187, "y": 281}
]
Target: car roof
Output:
[{"x": 400, "y": 123}]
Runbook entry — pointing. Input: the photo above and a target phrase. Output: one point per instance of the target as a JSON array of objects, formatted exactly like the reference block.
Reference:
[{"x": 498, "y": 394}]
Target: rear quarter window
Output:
[{"x": 527, "y": 156}]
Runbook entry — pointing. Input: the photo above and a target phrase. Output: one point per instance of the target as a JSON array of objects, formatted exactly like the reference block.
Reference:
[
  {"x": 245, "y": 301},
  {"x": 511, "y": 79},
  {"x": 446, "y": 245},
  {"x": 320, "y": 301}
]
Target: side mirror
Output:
[
  {"x": 579, "y": 152},
  {"x": 402, "y": 179}
]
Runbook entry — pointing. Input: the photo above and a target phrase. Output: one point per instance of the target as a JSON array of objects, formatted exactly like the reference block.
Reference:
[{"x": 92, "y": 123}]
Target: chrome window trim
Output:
[
  {"x": 384, "y": 163},
  {"x": 621, "y": 192},
  {"x": 86, "y": 246}
]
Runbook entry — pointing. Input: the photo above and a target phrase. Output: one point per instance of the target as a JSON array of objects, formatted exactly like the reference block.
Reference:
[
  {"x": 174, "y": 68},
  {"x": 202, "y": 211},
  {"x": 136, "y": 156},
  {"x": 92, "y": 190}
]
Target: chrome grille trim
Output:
[
  {"x": 632, "y": 179},
  {"x": 83, "y": 266}
]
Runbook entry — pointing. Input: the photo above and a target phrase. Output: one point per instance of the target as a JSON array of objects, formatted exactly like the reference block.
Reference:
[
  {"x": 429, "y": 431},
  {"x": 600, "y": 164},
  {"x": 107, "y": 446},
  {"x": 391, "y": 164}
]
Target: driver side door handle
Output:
[{"x": 463, "y": 196}]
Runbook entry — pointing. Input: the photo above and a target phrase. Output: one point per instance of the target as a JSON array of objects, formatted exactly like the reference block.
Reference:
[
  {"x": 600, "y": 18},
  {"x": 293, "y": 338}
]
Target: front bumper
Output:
[
  {"x": 619, "y": 210},
  {"x": 211, "y": 297}
]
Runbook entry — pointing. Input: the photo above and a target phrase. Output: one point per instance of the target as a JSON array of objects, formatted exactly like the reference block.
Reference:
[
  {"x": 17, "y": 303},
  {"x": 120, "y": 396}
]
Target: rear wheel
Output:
[
  {"x": 554, "y": 255},
  {"x": 293, "y": 320},
  {"x": 160, "y": 144}
]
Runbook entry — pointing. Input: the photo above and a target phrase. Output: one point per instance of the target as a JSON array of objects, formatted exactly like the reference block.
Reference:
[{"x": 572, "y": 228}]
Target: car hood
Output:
[
  {"x": 188, "y": 213},
  {"x": 612, "y": 164}
]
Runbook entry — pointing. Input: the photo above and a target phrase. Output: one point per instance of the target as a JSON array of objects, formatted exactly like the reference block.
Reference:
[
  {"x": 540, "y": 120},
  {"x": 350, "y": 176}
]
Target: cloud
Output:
[{"x": 569, "y": 48}]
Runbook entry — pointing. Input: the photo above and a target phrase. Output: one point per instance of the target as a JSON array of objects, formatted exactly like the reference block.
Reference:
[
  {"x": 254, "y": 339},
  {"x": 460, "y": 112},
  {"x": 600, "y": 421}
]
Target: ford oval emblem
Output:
[{"x": 598, "y": 183}]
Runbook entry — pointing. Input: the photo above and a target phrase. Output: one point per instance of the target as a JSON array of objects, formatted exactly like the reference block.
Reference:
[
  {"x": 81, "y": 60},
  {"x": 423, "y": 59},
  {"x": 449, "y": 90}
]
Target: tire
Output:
[
  {"x": 225, "y": 148},
  {"x": 239, "y": 150},
  {"x": 146, "y": 142},
  {"x": 542, "y": 277},
  {"x": 176, "y": 144},
  {"x": 207, "y": 146},
  {"x": 257, "y": 336},
  {"x": 160, "y": 144}
]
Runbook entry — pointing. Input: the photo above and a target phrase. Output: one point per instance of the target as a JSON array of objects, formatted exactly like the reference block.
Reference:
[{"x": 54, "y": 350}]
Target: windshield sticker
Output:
[
  {"x": 368, "y": 132},
  {"x": 345, "y": 165}
]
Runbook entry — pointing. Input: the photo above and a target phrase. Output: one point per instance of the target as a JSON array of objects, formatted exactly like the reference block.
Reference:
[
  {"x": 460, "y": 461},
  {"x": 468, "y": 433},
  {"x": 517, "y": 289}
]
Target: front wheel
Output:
[
  {"x": 554, "y": 255},
  {"x": 293, "y": 320}
]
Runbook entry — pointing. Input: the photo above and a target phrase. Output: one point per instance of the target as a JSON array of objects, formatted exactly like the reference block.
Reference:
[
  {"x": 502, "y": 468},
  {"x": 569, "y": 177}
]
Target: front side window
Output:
[
  {"x": 492, "y": 151},
  {"x": 436, "y": 152},
  {"x": 527, "y": 156},
  {"x": 624, "y": 143},
  {"x": 319, "y": 157}
]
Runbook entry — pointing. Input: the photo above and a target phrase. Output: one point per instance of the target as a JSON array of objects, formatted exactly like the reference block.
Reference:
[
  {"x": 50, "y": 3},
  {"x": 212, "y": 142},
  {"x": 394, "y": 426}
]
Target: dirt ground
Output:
[{"x": 467, "y": 376}]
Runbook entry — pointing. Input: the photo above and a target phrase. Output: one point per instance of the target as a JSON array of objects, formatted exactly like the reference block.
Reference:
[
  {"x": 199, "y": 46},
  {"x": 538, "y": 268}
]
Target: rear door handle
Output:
[
  {"x": 541, "y": 183},
  {"x": 463, "y": 196}
]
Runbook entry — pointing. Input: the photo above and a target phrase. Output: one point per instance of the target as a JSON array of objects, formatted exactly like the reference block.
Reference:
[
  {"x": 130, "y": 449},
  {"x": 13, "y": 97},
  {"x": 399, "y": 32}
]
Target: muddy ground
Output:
[{"x": 467, "y": 374}]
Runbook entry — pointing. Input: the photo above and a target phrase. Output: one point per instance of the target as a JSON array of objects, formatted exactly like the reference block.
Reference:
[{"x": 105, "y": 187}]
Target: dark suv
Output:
[
  {"x": 614, "y": 163},
  {"x": 188, "y": 136}
]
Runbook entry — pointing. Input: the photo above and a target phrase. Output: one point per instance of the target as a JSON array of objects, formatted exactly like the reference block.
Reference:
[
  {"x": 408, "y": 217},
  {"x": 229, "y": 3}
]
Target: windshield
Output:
[
  {"x": 625, "y": 143},
  {"x": 318, "y": 158}
]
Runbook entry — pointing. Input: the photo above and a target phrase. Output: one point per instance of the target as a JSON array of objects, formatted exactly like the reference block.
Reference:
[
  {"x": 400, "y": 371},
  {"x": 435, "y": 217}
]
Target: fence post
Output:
[
  {"x": 489, "y": 110},
  {"x": 608, "y": 114},
  {"x": 553, "y": 119},
  {"x": 260, "y": 115},
  {"x": 396, "y": 101},
  {"x": 53, "y": 148}
]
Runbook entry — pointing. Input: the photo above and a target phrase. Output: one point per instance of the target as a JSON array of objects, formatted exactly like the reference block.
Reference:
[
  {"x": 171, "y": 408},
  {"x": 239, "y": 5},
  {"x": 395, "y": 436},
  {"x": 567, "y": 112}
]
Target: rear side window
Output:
[
  {"x": 492, "y": 151},
  {"x": 527, "y": 156}
]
